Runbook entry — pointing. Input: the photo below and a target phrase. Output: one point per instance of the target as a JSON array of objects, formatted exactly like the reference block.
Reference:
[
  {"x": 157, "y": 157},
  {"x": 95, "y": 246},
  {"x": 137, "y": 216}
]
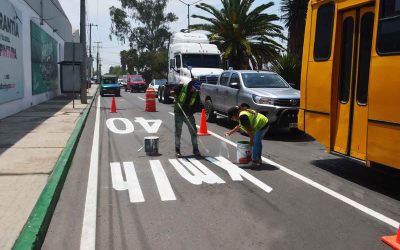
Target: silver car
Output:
[{"x": 264, "y": 91}]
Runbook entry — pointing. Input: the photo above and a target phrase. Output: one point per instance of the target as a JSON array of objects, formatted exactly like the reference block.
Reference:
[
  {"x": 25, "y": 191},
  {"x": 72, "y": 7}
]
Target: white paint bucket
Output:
[
  {"x": 151, "y": 145},
  {"x": 243, "y": 152}
]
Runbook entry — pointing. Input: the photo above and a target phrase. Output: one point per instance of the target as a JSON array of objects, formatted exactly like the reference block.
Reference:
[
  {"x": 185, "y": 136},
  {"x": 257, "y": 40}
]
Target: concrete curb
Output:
[{"x": 34, "y": 231}]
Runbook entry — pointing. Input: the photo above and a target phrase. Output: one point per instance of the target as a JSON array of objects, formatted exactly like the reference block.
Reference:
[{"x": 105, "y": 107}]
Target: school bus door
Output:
[{"x": 355, "y": 31}]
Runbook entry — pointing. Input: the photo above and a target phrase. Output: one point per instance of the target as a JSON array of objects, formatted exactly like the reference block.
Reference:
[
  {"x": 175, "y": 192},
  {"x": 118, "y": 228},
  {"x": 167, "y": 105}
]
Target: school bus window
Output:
[
  {"x": 323, "y": 32},
  {"x": 388, "y": 41},
  {"x": 366, "y": 30},
  {"x": 346, "y": 58}
]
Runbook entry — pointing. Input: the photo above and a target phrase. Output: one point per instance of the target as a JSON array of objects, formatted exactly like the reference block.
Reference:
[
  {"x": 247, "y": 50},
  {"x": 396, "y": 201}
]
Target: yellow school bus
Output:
[{"x": 350, "y": 78}]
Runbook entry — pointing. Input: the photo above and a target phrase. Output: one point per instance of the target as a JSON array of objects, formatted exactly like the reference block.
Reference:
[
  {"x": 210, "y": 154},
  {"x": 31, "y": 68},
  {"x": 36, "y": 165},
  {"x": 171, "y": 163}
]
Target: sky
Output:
[{"x": 98, "y": 13}]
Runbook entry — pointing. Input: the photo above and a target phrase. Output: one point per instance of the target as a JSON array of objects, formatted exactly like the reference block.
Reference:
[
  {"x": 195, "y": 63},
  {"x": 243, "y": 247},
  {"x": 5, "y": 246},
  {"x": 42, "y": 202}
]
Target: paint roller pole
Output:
[{"x": 194, "y": 130}]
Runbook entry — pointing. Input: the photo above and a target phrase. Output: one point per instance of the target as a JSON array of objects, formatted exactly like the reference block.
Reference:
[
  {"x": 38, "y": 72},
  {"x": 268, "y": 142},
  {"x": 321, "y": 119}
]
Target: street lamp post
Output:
[{"x": 188, "y": 6}]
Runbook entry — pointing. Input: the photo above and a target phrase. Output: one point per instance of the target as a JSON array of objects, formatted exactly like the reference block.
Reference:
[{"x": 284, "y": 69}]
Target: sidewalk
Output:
[{"x": 30, "y": 144}]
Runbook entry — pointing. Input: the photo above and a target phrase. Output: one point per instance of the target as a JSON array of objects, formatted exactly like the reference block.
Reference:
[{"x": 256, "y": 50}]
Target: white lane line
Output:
[
  {"x": 164, "y": 186},
  {"x": 88, "y": 236},
  {"x": 320, "y": 187},
  {"x": 141, "y": 98},
  {"x": 171, "y": 113},
  {"x": 132, "y": 183}
]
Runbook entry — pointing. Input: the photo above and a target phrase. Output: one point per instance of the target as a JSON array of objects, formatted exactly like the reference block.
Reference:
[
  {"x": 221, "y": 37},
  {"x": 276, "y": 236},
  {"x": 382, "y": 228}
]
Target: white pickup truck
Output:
[{"x": 264, "y": 91}]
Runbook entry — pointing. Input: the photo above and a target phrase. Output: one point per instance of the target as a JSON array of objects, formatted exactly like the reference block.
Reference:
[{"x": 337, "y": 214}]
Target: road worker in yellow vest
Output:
[
  {"x": 254, "y": 124},
  {"x": 187, "y": 102}
]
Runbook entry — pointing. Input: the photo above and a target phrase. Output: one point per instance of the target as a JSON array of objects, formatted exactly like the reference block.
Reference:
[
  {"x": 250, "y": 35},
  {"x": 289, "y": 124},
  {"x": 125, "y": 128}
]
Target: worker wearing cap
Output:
[
  {"x": 187, "y": 102},
  {"x": 254, "y": 124}
]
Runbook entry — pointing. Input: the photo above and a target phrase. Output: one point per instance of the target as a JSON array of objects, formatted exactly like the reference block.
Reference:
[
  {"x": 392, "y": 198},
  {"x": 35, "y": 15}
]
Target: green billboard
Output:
[{"x": 44, "y": 61}]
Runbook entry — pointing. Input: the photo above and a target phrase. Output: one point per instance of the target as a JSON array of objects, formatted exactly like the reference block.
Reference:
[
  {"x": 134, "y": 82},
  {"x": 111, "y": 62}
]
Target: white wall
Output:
[{"x": 9, "y": 108}]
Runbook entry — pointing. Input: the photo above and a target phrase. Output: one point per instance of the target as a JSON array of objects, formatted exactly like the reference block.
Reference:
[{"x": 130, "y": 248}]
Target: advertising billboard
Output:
[
  {"x": 44, "y": 60},
  {"x": 11, "y": 63}
]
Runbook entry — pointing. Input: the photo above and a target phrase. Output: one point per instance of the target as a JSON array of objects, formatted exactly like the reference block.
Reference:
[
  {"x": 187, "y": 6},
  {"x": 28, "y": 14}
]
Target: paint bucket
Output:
[
  {"x": 151, "y": 145},
  {"x": 243, "y": 152}
]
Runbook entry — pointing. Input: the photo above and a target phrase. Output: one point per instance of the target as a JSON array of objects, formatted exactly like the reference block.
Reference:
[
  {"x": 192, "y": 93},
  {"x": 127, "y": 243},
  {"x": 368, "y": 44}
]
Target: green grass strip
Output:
[{"x": 33, "y": 234}]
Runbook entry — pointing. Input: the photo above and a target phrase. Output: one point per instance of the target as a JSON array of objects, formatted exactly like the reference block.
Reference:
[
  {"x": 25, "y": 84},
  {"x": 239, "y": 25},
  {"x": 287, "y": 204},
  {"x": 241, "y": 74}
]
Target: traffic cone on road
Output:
[
  {"x": 113, "y": 108},
  {"x": 203, "y": 124},
  {"x": 393, "y": 241}
]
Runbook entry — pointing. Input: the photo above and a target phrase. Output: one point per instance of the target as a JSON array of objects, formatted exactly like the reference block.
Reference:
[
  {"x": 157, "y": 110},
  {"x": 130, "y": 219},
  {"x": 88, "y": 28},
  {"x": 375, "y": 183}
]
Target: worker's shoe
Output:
[
  {"x": 178, "y": 153},
  {"x": 196, "y": 152}
]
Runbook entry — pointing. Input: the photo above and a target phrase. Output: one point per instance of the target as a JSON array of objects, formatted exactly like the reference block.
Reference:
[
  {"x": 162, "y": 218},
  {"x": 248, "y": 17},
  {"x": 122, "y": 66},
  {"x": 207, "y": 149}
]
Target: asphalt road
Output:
[{"x": 300, "y": 198}]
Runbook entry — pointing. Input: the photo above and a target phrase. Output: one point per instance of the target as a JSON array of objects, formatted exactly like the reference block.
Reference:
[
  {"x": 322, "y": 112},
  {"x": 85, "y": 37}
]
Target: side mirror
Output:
[
  {"x": 178, "y": 71},
  {"x": 234, "y": 85}
]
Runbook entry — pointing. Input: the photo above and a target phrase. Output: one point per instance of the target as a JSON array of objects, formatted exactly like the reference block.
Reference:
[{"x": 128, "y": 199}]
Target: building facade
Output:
[{"x": 32, "y": 37}]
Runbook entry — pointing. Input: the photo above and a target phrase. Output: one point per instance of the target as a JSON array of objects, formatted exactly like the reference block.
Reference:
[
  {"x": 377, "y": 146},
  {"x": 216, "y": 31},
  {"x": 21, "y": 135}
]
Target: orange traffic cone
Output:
[
  {"x": 203, "y": 124},
  {"x": 113, "y": 108},
  {"x": 393, "y": 241}
]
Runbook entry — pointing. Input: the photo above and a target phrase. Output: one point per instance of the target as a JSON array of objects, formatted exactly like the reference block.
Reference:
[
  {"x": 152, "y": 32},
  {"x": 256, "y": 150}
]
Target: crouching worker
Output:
[
  {"x": 187, "y": 102},
  {"x": 254, "y": 124}
]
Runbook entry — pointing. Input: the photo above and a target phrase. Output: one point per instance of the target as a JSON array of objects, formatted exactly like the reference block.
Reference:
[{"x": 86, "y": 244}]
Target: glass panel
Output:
[
  {"x": 366, "y": 30},
  {"x": 201, "y": 61},
  {"x": 234, "y": 78},
  {"x": 263, "y": 80},
  {"x": 178, "y": 61},
  {"x": 224, "y": 78},
  {"x": 323, "y": 32},
  {"x": 390, "y": 8},
  {"x": 389, "y": 36},
  {"x": 346, "y": 59}
]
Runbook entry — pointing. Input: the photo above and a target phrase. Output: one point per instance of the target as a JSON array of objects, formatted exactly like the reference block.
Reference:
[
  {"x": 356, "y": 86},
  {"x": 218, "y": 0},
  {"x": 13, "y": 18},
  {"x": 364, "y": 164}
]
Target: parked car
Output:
[
  {"x": 136, "y": 83},
  {"x": 110, "y": 85},
  {"x": 155, "y": 83},
  {"x": 264, "y": 91}
]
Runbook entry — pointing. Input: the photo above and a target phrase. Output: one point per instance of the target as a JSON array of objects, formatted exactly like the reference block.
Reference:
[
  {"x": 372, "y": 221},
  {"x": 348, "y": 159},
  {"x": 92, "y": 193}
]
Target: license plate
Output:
[{"x": 293, "y": 125}]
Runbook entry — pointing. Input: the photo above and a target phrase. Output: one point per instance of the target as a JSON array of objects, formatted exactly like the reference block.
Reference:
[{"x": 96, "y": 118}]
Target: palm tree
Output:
[
  {"x": 294, "y": 17},
  {"x": 241, "y": 34},
  {"x": 289, "y": 67}
]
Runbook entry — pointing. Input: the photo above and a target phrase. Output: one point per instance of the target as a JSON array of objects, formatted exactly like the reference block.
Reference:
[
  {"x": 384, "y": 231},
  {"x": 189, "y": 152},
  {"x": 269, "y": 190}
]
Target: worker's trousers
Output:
[{"x": 191, "y": 124}]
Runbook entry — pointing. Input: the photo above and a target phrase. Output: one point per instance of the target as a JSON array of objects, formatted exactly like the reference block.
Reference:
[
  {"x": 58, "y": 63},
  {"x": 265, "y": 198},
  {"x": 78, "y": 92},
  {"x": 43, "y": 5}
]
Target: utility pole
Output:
[
  {"x": 188, "y": 7},
  {"x": 90, "y": 48},
  {"x": 84, "y": 61},
  {"x": 98, "y": 61}
]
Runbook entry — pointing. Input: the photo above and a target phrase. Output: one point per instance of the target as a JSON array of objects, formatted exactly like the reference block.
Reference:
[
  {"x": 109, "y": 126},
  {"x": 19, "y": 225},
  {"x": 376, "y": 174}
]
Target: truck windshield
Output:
[
  {"x": 263, "y": 80},
  {"x": 201, "y": 61},
  {"x": 109, "y": 81}
]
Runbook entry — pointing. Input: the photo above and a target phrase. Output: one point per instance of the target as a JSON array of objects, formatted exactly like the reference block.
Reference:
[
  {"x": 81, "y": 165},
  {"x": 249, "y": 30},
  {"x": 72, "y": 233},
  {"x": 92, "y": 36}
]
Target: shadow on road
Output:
[{"x": 378, "y": 178}]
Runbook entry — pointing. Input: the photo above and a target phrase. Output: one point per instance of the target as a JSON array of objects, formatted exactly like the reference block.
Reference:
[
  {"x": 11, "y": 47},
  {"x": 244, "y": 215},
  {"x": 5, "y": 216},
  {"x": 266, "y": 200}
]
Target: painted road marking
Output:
[
  {"x": 192, "y": 174},
  {"x": 88, "y": 236},
  {"x": 152, "y": 129},
  {"x": 141, "y": 98},
  {"x": 237, "y": 173},
  {"x": 322, "y": 188},
  {"x": 164, "y": 186},
  {"x": 131, "y": 184},
  {"x": 128, "y": 126},
  {"x": 189, "y": 169}
]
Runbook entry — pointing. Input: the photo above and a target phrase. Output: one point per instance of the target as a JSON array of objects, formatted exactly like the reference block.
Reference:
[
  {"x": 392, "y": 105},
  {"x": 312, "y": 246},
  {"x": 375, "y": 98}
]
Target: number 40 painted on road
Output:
[{"x": 129, "y": 128}]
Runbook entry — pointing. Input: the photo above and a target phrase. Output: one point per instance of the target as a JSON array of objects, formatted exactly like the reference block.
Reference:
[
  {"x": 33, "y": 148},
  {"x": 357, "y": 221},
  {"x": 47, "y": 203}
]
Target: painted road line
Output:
[
  {"x": 322, "y": 188},
  {"x": 212, "y": 177},
  {"x": 88, "y": 236},
  {"x": 237, "y": 173},
  {"x": 171, "y": 113},
  {"x": 164, "y": 186},
  {"x": 110, "y": 123},
  {"x": 132, "y": 181},
  {"x": 141, "y": 98}
]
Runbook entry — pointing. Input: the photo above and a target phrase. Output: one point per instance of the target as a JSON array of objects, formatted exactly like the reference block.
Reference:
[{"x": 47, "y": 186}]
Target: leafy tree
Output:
[
  {"x": 129, "y": 60},
  {"x": 142, "y": 22},
  {"x": 241, "y": 34},
  {"x": 117, "y": 70},
  {"x": 294, "y": 17},
  {"x": 288, "y": 67}
]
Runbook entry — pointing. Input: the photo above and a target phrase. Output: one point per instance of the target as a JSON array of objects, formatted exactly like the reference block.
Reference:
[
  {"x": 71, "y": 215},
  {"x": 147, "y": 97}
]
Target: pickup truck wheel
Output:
[
  {"x": 158, "y": 96},
  {"x": 210, "y": 114},
  {"x": 162, "y": 96},
  {"x": 165, "y": 96}
]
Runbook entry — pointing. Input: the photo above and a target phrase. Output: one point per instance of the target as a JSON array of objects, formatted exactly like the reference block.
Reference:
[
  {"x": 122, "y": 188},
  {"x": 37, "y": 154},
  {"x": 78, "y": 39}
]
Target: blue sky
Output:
[{"x": 98, "y": 13}]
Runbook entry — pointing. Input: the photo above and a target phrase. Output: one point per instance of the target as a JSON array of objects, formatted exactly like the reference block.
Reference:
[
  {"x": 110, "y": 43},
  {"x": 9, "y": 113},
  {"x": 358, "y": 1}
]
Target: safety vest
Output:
[
  {"x": 182, "y": 98},
  {"x": 257, "y": 121}
]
